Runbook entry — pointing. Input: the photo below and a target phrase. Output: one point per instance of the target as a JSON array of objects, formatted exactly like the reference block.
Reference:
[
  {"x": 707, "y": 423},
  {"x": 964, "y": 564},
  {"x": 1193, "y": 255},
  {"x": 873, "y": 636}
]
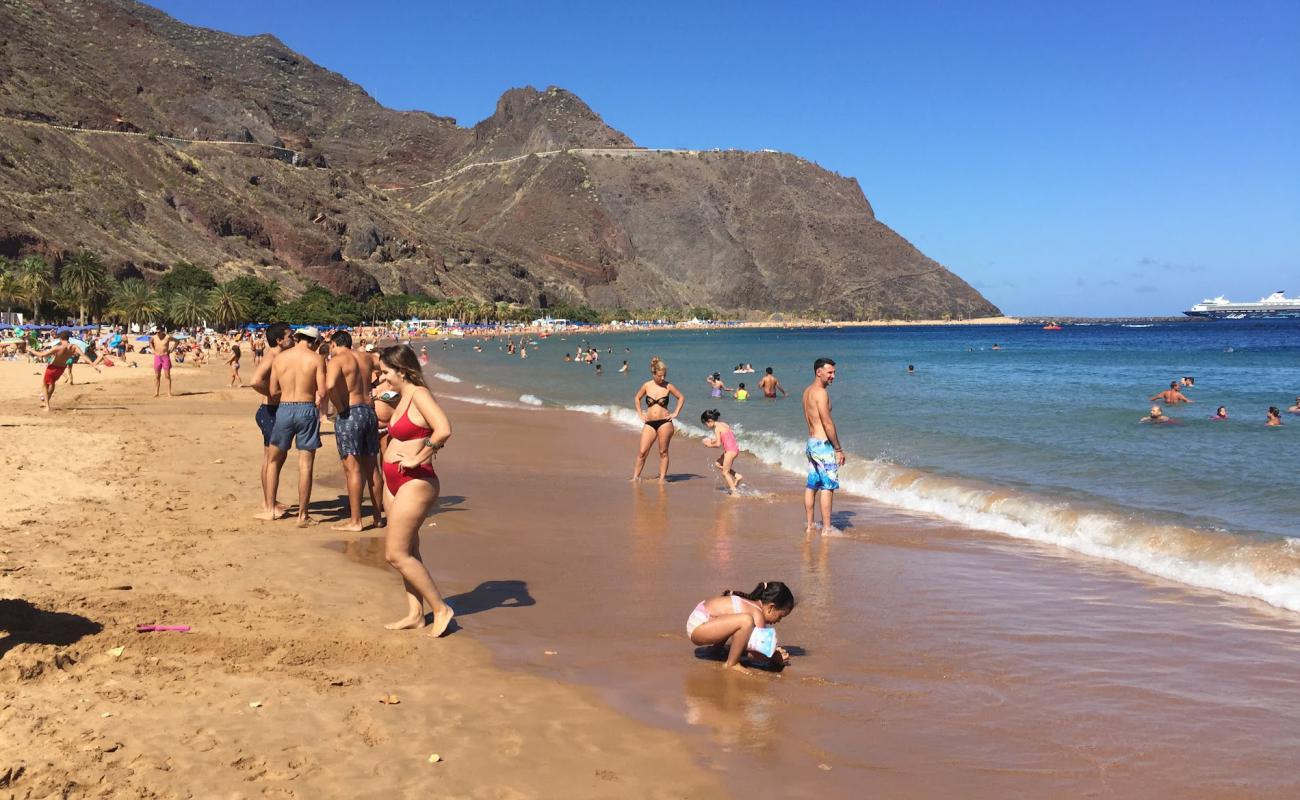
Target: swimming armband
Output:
[{"x": 763, "y": 640}]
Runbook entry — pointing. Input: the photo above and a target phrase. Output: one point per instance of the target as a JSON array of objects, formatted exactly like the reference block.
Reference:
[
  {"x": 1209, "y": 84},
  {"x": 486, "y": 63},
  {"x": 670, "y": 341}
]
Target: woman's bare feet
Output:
[
  {"x": 267, "y": 516},
  {"x": 348, "y": 527},
  {"x": 407, "y": 623},
  {"x": 441, "y": 619},
  {"x": 743, "y": 670}
]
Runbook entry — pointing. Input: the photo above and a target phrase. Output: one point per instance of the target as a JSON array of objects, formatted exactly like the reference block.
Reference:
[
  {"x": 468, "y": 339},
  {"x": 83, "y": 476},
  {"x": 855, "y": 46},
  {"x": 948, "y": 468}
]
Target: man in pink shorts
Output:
[{"x": 161, "y": 345}]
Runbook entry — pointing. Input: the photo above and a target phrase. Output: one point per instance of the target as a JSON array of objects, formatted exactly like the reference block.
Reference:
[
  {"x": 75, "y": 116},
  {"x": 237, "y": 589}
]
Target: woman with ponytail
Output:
[
  {"x": 418, "y": 431},
  {"x": 658, "y": 419},
  {"x": 746, "y": 619}
]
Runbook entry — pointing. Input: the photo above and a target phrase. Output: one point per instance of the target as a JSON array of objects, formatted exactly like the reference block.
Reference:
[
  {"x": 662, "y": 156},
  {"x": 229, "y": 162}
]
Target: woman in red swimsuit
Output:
[{"x": 419, "y": 430}]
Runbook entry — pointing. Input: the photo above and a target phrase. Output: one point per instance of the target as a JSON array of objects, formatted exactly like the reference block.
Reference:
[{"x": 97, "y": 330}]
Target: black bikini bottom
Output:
[{"x": 655, "y": 423}]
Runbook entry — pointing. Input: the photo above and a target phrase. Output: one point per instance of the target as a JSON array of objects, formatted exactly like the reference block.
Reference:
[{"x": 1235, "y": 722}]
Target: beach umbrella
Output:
[{"x": 142, "y": 338}]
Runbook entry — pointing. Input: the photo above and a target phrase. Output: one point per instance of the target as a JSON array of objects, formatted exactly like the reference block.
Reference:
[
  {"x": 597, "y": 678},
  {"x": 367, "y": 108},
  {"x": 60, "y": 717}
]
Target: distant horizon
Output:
[{"x": 995, "y": 139}]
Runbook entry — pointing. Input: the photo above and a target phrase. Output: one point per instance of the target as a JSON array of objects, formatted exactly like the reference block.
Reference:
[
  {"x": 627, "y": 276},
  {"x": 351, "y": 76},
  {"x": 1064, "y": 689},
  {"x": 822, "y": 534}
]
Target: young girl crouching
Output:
[
  {"x": 725, "y": 438},
  {"x": 745, "y": 619}
]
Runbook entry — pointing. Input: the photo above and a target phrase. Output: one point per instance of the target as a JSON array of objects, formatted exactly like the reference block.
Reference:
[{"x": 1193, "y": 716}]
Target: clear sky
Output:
[{"x": 1100, "y": 158}]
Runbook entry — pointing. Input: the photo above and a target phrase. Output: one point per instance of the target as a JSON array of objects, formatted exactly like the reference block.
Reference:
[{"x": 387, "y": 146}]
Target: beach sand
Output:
[
  {"x": 929, "y": 660},
  {"x": 275, "y": 692}
]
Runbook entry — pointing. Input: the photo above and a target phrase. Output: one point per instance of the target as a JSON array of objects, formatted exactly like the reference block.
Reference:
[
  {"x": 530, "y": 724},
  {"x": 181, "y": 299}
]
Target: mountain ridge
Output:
[{"x": 742, "y": 232}]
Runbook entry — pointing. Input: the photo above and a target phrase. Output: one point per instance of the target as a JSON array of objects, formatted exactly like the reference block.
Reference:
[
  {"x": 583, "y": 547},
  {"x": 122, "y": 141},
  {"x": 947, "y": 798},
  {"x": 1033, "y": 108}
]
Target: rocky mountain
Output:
[{"x": 296, "y": 174}]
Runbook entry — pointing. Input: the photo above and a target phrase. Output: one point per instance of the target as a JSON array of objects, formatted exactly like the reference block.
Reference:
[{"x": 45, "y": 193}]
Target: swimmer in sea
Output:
[
  {"x": 911, "y": 370},
  {"x": 716, "y": 386},
  {"x": 1221, "y": 413},
  {"x": 1274, "y": 417},
  {"x": 741, "y": 392},
  {"x": 1295, "y": 409},
  {"x": 1157, "y": 415},
  {"x": 736, "y": 617},
  {"x": 1172, "y": 395},
  {"x": 726, "y": 439},
  {"x": 770, "y": 385},
  {"x": 623, "y": 368}
]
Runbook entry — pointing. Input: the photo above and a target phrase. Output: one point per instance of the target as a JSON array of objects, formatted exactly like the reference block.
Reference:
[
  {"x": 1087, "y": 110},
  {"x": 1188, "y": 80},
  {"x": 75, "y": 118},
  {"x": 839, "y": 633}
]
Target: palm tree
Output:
[
  {"x": 10, "y": 292},
  {"x": 134, "y": 302},
  {"x": 188, "y": 306},
  {"x": 86, "y": 280},
  {"x": 227, "y": 304},
  {"x": 35, "y": 282}
]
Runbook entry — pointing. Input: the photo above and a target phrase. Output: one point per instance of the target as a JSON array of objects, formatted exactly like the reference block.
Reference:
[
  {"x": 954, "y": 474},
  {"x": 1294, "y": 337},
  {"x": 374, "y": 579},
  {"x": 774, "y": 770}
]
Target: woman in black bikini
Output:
[{"x": 658, "y": 420}]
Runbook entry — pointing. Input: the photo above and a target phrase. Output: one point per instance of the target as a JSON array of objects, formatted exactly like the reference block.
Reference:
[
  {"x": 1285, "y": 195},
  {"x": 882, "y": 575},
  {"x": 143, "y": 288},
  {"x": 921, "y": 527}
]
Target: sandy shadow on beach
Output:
[
  {"x": 190, "y": 394},
  {"x": 843, "y": 519},
  {"x": 27, "y": 624},
  {"x": 491, "y": 594},
  {"x": 681, "y": 476},
  {"x": 712, "y": 652}
]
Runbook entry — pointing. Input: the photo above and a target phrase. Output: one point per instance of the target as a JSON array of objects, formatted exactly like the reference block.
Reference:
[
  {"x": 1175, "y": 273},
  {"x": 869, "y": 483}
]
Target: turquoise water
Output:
[{"x": 1039, "y": 439}]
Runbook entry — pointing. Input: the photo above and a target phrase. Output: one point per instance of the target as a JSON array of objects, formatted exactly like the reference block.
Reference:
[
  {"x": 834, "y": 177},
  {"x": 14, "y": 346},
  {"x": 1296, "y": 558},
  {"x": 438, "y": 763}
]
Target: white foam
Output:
[
  {"x": 490, "y": 403},
  {"x": 1265, "y": 569},
  {"x": 446, "y": 376},
  {"x": 530, "y": 399}
]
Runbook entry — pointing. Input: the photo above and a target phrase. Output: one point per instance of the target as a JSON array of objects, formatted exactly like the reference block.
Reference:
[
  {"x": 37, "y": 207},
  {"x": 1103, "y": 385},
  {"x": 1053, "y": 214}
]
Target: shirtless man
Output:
[
  {"x": 278, "y": 338},
  {"x": 161, "y": 344},
  {"x": 1172, "y": 396},
  {"x": 770, "y": 385},
  {"x": 298, "y": 378},
  {"x": 356, "y": 428},
  {"x": 62, "y": 354},
  {"x": 825, "y": 455}
]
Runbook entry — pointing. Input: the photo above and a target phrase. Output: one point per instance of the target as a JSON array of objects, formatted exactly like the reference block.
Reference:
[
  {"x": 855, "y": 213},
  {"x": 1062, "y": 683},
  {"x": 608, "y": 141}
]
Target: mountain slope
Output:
[{"x": 365, "y": 199}]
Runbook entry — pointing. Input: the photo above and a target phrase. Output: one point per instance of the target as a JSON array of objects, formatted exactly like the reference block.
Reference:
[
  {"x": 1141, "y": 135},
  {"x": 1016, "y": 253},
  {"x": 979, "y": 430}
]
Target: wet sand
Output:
[
  {"x": 275, "y": 693},
  {"x": 929, "y": 660}
]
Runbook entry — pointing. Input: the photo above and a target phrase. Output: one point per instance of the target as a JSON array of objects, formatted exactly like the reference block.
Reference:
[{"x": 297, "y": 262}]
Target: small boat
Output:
[{"x": 1051, "y": 326}]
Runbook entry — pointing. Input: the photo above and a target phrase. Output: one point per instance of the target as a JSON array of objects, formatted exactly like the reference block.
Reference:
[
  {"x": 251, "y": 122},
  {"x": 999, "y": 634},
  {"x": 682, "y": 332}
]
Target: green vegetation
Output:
[{"x": 187, "y": 295}]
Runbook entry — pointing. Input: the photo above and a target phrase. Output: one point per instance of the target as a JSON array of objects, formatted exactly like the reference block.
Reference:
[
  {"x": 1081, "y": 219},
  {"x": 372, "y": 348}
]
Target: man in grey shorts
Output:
[
  {"x": 298, "y": 377},
  {"x": 278, "y": 339},
  {"x": 356, "y": 428}
]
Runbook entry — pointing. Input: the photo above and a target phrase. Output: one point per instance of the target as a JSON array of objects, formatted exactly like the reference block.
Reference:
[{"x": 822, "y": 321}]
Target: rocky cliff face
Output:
[{"x": 380, "y": 200}]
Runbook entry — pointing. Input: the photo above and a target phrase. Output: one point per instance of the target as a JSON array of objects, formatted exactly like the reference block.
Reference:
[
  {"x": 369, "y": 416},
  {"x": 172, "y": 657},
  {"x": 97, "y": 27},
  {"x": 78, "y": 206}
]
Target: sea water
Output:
[{"x": 1029, "y": 433}]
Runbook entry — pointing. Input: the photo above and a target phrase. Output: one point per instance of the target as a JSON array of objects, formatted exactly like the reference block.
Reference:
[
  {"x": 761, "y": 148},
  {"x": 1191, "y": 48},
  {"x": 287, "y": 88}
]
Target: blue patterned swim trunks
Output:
[
  {"x": 356, "y": 431},
  {"x": 823, "y": 466}
]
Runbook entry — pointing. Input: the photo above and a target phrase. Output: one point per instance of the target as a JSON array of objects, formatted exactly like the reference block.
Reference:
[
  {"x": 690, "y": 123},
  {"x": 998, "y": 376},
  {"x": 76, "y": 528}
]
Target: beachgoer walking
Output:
[
  {"x": 62, "y": 354},
  {"x": 279, "y": 339},
  {"x": 1172, "y": 395},
  {"x": 419, "y": 430},
  {"x": 161, "y": 344},
  {"x": 725, "y": 438},
  {"x": 745, "y": 619},
  {"x": 657, "y": 420},
  {"x": 298, "y": 377},
  {"x": 825, "y": 455},
  {"x": 233, "y": 361},
  {"x": 356, "y": 427},
  {"x": 770, "y": 385}
]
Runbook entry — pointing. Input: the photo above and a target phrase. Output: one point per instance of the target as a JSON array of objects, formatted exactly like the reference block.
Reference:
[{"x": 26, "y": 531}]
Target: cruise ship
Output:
[{"x": 1276, "y": 306}]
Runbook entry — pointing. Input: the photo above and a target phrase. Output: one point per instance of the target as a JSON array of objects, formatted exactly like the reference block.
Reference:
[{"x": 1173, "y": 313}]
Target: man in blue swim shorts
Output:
[
  {"x": 298, "y": 377},
  {"x": 825, "y": 456}
]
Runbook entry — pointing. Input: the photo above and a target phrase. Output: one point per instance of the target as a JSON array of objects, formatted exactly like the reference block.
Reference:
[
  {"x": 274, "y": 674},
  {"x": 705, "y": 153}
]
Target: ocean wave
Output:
[
  {"x": 1267, "y": 569},
  {"x": 490, "y": 403},
  {"x": 530, "y": 399},
  {"x": 446, "y": 376}
]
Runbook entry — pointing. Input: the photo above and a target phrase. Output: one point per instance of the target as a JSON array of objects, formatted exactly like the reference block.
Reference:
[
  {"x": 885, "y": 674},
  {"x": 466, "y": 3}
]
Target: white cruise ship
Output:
[{"x": 1276, "y": 306}]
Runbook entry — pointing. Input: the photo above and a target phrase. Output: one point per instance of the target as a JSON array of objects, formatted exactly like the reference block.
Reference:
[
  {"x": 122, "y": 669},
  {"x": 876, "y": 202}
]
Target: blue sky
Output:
[{"x": 1095, "y": 158}]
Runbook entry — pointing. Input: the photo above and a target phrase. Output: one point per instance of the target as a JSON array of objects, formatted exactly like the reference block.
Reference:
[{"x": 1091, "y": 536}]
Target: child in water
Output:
[
  {"x": 724, "y": 438},
  {"x": 744, "y": 619},
  {"x": 741, "y": 392},
  {"x": 1221, "y": 413}
]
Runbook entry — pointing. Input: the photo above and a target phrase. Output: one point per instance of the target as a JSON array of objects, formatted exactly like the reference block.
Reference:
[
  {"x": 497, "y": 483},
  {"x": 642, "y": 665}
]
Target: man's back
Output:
[
  {"x": 815, "y": 399},
  {"x": 350, "y": 377},
  {"x": 296, "y": 373}
]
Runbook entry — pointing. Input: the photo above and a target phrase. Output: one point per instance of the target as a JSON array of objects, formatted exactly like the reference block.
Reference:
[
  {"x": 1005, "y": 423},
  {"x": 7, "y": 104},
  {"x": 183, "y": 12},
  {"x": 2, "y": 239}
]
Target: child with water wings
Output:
[
  {"x": 746, "y": 619},
  {"x": 723, "y": 437}
]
